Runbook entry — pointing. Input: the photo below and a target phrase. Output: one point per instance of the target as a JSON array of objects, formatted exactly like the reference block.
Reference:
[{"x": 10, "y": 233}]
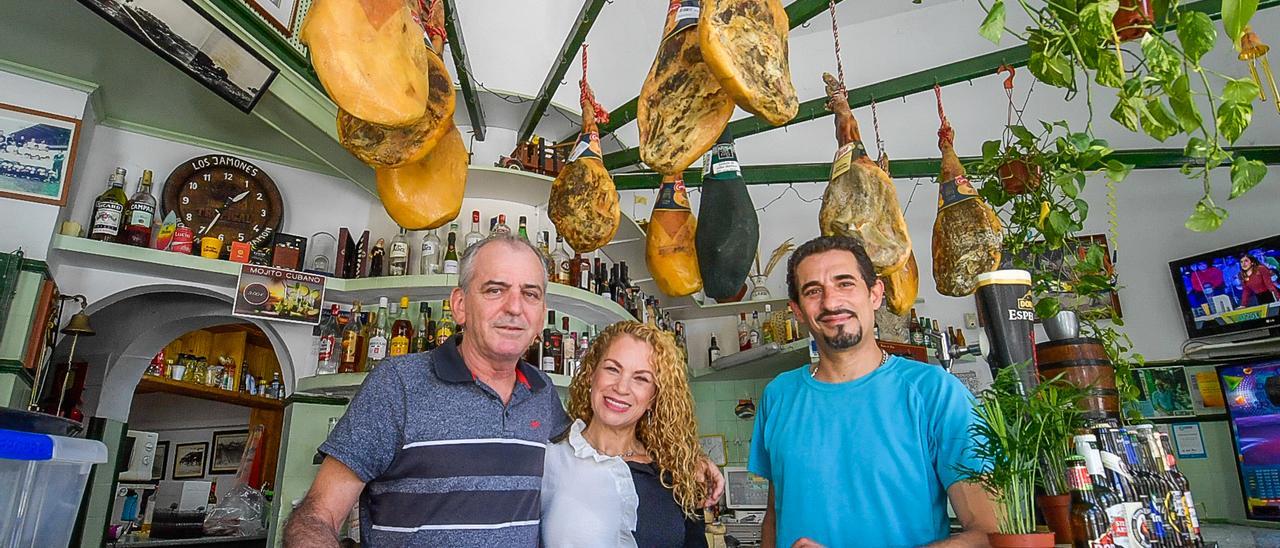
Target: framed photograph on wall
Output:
[
  {"x": 1166, "y": 392},
  {"x": 160, "y": 463},
  {"x": 1063, "y": 262},
  {"x": 228, "y": 447},
  {"x": 37, "y": 152},
  {"x": 280, "y": 13},
  {"x": 713, "y": 446},
  {"x": 188, "y": 460},
  {"x": 195, "y": 43}
]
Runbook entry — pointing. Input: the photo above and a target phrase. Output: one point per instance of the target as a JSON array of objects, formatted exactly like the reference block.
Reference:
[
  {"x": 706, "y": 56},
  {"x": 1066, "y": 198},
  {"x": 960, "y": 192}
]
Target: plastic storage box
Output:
[{"x": 42, "y": 478}]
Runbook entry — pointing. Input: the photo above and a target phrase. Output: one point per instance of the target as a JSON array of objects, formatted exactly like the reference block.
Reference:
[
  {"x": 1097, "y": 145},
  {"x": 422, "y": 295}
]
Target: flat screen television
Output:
[
  {"x": 1252, "y": 394},
  {"x": 1217, "y": 296}
]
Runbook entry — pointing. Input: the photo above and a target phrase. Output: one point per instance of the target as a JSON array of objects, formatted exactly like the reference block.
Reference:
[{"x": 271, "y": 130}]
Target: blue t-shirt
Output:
[{"x": 865, "y": 462}]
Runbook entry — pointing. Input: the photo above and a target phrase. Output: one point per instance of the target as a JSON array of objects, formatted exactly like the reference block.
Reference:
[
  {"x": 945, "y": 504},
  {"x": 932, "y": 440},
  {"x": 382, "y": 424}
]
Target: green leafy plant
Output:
[
  {"x": 1156, "y": 94},
  {"x": 1015, "y": 435}
]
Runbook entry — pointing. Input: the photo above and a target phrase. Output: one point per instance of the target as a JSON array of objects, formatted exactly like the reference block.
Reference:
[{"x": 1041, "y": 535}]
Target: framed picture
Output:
[
  {"x": 188, "y": 460},
  {"x": 1165, "y": 390},
  {"x": 37, "y": 152},
  {"x": 1206, "y": 392},
  {"x": 1063, "y": 261},
  {"x": 713, "y": 446},
  {"x": 161, "y": 461},
  {"x": 195, "y": 43},
  {"x": 227, "y": 448},
  {"x": 280, "y": 13}
]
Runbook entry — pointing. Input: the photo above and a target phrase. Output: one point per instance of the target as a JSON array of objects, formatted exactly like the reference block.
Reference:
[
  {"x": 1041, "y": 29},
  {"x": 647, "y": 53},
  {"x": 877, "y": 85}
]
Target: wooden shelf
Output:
[{"x": 150, "y": 383}]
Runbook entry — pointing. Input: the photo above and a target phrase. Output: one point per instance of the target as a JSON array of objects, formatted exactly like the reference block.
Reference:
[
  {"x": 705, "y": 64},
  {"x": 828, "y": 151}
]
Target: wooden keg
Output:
[{"x": 1084, "y": 363}]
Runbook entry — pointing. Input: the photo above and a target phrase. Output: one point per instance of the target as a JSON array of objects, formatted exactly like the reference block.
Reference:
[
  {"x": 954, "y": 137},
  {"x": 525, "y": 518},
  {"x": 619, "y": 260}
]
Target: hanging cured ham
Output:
[
  {"x": 584, "y": 202},
  {"x": 860, "y": 202},
  {"x": 901, "y": 287},
  {"x": 669, "y": 247},
  {"x": 682, "y": 107},
  {"x": 428, "y": 193},
  {"x": 381, "y": 145},
  {"x": 966, "y": 232},
  {"x": 728, "y": 229},
  {"x": 744, "y": 43},
  {"x": 370, "y": 57}
]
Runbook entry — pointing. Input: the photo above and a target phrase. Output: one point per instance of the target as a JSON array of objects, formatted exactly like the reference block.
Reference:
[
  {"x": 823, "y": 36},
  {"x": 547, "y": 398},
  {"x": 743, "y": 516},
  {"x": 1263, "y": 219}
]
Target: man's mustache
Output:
[
  {"x": 828, "y": 313},
  {"x": 512, "y": 323}
]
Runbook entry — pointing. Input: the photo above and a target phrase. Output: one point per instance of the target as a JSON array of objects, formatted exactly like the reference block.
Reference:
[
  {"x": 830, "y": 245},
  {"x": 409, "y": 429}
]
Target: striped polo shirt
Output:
[{"x": 444, "y": 461}]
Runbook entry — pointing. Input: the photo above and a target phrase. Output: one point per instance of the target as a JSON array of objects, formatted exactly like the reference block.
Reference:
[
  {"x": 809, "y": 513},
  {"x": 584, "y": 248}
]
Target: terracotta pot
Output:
[
  {"x": 1017, "y": 176},
  {"x": 1134, "y": 19},
  {"x": 1057, "y": 512},
  {"x": 1033, "y": 540}
]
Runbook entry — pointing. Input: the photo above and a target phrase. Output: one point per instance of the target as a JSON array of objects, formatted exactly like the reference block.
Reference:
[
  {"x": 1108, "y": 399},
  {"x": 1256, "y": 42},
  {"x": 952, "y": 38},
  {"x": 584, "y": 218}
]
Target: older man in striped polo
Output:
[{"x": 446, "y": 448}]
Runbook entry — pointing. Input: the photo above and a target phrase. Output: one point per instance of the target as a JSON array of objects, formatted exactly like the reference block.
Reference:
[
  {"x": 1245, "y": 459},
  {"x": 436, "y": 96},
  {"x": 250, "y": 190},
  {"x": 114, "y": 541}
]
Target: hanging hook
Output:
[{"x": 1008, "y": 81}]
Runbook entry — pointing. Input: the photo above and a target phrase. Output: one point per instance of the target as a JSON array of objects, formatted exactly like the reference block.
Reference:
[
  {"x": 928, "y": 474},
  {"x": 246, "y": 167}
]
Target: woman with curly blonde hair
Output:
[{"x": 627, "y": 473}]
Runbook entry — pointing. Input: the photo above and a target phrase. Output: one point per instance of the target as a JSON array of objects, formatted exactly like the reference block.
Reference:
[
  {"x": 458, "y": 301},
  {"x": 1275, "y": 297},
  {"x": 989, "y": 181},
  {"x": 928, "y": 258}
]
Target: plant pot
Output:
[
  {"x": 1031, "y": 540},
  {"x": 1134, "y": 19},
  {"x": 1017, "y": 176},
  {"x": 759, "y": 292},
  {"x": 1057, "y": 512},
  {"x": 1062, "y": 326}
]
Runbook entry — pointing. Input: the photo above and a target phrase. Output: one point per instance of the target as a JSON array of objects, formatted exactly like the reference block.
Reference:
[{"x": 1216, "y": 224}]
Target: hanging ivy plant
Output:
[{"x": 1157, "y": 94}]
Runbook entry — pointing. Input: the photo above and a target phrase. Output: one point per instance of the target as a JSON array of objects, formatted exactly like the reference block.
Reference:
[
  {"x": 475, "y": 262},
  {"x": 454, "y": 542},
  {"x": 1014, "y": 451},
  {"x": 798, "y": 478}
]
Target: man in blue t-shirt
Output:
[{"x": 861, "y": 449}]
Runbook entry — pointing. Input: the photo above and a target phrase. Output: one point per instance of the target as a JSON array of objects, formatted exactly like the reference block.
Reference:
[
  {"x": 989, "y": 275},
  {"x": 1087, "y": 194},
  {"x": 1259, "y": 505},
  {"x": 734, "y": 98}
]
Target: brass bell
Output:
[
  {"x": 1252, "y": 49},
  {"x": 79, "y": 325}
]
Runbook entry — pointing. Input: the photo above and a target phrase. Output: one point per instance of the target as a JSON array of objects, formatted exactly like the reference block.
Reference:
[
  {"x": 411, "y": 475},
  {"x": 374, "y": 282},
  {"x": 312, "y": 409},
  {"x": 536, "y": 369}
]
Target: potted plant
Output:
[
  {"x": 1015, "y": 435},
  {"x": 1057, "y": 402}
]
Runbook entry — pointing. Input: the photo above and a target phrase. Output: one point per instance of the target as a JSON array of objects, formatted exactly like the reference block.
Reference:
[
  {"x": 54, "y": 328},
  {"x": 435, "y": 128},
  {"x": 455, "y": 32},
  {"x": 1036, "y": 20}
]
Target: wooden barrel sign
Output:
[{"x": 1084, "y": 363}]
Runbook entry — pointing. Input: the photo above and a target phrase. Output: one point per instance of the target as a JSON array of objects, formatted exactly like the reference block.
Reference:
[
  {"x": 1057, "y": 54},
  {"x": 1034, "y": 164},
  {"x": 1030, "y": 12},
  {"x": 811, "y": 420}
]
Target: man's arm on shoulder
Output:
[
  {"x": 316, "y": 522},
  {"x": 973, "y": 507}
]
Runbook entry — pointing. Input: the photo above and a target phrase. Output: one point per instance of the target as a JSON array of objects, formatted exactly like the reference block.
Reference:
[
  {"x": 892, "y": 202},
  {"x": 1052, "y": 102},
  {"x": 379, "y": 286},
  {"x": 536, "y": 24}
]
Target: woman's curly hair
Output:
[{"x": 668, "y": 428}]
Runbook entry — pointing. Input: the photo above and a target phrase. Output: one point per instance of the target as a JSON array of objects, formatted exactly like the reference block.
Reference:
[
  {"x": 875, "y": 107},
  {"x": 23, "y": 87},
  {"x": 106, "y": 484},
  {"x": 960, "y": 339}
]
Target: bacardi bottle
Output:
[
  {"x": 139, "y": 214},
  {"x": 108, "y": 209}
]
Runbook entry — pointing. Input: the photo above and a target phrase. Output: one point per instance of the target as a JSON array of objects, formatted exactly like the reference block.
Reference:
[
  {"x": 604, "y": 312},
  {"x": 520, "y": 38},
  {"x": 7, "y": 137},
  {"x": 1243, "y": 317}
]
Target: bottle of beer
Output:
[
  {"x": 1151, "y": 520},
  {"x": 1121, "y": 483},
  {"x": 1090, "y": 527},
  {"x": 1192, "y": 522},
  {"x": 1087, "y": 448}
]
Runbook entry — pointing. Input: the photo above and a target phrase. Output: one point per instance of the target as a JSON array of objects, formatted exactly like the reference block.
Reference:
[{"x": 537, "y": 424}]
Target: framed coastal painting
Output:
[
  {"x": 37, "y": 152},
  {"x": 228, "y": 447},
  {"x": 189, "y": 459}
]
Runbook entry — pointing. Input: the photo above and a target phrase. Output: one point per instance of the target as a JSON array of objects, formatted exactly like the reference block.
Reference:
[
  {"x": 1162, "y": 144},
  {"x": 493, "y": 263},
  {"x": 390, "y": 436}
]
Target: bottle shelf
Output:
[
  {"x": 167, "y": 267},
  {"x": 763, "y": 362},
  {"x": 693, "y": 310},
  {"x": 346, "y": 385},
  {"x": 150, "y": 383}
]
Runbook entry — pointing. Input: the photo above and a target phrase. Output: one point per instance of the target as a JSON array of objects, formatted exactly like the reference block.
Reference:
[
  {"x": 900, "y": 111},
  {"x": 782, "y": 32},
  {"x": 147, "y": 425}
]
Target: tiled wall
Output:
[{"x": 714, "y": 403}]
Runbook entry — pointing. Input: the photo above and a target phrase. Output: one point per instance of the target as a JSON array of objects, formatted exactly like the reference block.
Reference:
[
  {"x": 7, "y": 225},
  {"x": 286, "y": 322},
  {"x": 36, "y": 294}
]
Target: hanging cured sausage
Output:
[
  {"x": 966, "y": 232},
  {"x": 428, "y": 193},
  {"x": 669, "y": 247},
  {"x": 370, "y": 57},
  {"x": 682, "y": 107},
  {"x": 728, "y": 229},
  {"x": 744, "y": 42},
  {"x": 584, "y": 202}
]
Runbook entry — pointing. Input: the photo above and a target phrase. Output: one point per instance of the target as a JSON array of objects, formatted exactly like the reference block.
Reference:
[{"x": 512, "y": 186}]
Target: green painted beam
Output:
[
  {"x": 453, "y": 29},
  {"x": 799, "y": 12},
  {"x": 910, "y": 84},
  {"x": 774, "y": 174},
  {"x": 568, "y": 53}
]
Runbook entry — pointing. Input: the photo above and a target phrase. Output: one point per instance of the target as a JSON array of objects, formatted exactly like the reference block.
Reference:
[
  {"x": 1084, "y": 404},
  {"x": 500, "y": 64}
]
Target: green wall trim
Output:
[
  {"x": 35, "y": 265},
  {"x": 568, "y": 53},
  {"x": 1243, "y": 523},
  {"x": 458, "y": 47},
  {"x": 312, "y": 398},
  {"x": 228, "y": 148},
  {"x": 15, "y": 367},
  {"x": 48, "y": 76}
]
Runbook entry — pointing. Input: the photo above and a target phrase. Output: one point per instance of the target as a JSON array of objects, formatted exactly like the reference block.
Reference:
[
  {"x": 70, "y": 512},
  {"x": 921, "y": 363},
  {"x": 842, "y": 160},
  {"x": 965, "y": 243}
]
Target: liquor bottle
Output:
[
  {"x": 425, "y": 337},
  {"x": 431, "y": 330},
  {"x": 327, "y": 361},
  {"x": 561, "y": 258},
  {"x": 401, "y": 330},
  {"x": 429, "y": 262},
  {"x": 583, "y": 342},
  {"x": 755, "y": 329},
  {"x": 552, "y": 345},
  {"x": 575, "y": 270},
  {"x": 378, "y": 336},
  {"x": 1090, "y": 527},
  {"x": 139, "y": 213},
  {"x": 615, "y": 288},
  {"x": 628, "y": 300},
  {"x": 445, "y": 327},
  {"x": 744, "y": 333},
  {"x": 352, "y": 341},
  {"x": 450, "y": 265},
  {"x": 569, "y": 347},
  {"x": 713, "y": 351},
  {"x": 275, "y": 390},
  {"x": 960, "y": 338},
  {"x": 544, "y": 247},
  {"x": 1121, "y": 482},
  {"x": 767, "y": 332},
  {"x": 595, "y": 273},
  {"x": 1170, "y": 502},
  {"x": 584, "y": 272},
  {"x": 473, "y": 237},
  {"x": 1149, "y": 492},
  {"x": 501, "y": 227},
  {"x": 108, "y": 209},
  {"x": 1192, "y": 520},
  {"x": 917, "y": 336},
  {"x": 602, "y": 281},
  {"x": 681, "y": 342},
  {"x": 398, "y": 256},
  {"x": 523, "y": 230},
  {"x": 925, "y": 340}
]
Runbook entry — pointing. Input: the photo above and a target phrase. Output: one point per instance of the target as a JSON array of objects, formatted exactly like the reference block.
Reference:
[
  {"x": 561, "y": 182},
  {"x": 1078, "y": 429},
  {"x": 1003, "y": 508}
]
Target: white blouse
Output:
[{"x": 588, "y": 499}]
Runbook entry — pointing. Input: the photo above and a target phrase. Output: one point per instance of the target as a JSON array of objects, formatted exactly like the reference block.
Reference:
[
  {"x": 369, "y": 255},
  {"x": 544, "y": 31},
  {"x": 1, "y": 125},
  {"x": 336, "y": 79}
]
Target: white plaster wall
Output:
[{"x": 180, "y": 419}]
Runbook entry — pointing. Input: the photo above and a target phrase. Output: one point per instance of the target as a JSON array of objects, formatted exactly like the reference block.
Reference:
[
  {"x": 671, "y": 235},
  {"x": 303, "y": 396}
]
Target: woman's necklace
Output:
[
  {"x": 625, "y": 455},
  {"x": 884, "y": 357}
]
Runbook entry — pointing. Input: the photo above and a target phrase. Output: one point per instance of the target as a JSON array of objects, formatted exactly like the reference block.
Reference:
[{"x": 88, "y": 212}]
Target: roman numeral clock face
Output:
[{"x": 223, "y": 197}]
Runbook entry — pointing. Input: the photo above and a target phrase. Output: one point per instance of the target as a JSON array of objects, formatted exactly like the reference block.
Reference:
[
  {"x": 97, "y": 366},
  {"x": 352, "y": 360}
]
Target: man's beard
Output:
[{"x": 843, "y": 340}]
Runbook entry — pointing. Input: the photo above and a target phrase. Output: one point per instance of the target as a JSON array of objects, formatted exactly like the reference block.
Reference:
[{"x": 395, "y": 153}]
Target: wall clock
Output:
[{"x": 224, "y": 197}]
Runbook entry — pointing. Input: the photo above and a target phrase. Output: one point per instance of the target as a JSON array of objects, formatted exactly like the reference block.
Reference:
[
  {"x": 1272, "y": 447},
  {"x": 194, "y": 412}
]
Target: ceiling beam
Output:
[
  {"x": 568, "y": 52},
  {"x": 453, "y": 29},
  {"x": 776, "y": 174},
  {"x": 799, "y": 12},
  {"x": 902, "y": 86}
]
